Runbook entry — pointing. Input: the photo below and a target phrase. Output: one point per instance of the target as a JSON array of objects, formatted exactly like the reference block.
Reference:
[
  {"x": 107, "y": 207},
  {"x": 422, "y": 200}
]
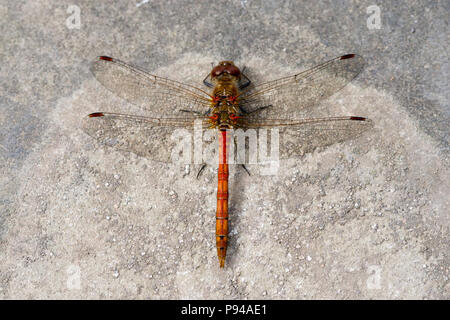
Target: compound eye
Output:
[
  {"x": 217, "y": 71},
  {"x": 233, "y": 70},
  {"x": 234, "y": 117},
  {"x": 214, "y": 117}
]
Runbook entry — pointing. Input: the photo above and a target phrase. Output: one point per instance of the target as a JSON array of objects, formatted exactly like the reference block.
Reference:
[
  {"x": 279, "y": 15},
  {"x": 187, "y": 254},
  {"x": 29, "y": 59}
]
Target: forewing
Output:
[
  {"x": 162, "y": 140},
  {"x": 159, "y": 96},
  {"x": 288, "y": 96}
]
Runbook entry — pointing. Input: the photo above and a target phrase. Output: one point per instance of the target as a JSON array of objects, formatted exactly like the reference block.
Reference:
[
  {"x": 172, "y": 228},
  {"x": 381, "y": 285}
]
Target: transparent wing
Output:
[
  {"x": 157, "y": 139},
  {"x": 287, "y": 96},
  {"x": 159, "y": 96},
  {"x": 297, "y": 137}
]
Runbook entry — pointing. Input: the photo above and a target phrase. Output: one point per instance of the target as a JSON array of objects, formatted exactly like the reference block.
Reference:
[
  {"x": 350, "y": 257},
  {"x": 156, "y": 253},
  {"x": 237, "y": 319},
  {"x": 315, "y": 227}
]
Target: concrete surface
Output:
[{"x": 366, "y": 219}]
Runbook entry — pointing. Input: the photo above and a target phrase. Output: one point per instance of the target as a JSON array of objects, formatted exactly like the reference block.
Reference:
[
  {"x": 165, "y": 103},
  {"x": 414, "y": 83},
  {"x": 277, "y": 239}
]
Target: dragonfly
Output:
[{"x": 229, "y": 101}]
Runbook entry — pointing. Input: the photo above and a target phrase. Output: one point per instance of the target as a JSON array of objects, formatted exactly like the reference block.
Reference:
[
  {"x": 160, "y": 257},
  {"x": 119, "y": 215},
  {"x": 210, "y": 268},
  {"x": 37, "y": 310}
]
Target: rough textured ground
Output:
[{"x": 366, "y": 218}]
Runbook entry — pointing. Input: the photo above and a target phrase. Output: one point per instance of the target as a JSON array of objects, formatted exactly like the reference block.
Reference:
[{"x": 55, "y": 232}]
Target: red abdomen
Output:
[{"x": 222, "y": 201}]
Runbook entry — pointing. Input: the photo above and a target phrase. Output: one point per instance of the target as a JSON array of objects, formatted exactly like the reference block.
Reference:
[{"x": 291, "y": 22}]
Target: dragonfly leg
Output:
[
  {"x": 246, "y": 83},
  {"x": 206, "y": 82},
  {"x": 191, "y": 111},
  {"x": 201, "y": 170},
  {"x": 256, "y": 110},
  {"x": 196, "y": 112},
  {"x": 246, "y": 170},
  {"x": 243, "y": 111}
]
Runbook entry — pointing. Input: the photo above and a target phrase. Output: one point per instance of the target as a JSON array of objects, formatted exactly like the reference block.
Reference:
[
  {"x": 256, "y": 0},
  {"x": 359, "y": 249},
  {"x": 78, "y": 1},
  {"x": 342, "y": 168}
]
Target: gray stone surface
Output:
[{"x": 367, "y": 218}]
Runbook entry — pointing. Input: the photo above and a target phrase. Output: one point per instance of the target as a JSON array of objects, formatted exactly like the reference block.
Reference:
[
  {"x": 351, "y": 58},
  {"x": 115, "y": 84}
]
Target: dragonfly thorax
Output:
[
  {"x": 224, "y": 114},
  {"x": 224, "y": 120}
]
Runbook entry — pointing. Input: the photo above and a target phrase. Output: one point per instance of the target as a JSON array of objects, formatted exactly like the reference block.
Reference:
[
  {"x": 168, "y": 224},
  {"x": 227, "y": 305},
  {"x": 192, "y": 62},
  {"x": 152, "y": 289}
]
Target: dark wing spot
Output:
[
  {"x": 96, "y": 114},
  {"x": 347, "y": 56},
  {"x": 358, "y": 118},
  {"x": 105, "y": 58}
]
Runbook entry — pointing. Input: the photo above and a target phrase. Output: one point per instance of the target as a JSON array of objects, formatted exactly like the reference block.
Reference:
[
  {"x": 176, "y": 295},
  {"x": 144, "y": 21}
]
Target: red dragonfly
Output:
[{"x": 232, "y": 102}]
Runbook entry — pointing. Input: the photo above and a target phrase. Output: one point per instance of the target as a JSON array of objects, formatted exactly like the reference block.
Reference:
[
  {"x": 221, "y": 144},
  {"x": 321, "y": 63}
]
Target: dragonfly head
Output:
[{"x": 225, "y": 69}]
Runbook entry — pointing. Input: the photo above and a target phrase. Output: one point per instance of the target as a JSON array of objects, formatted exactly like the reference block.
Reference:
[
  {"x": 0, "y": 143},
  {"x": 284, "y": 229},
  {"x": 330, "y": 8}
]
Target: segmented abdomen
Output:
[{"x": 222, "y": 201}]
